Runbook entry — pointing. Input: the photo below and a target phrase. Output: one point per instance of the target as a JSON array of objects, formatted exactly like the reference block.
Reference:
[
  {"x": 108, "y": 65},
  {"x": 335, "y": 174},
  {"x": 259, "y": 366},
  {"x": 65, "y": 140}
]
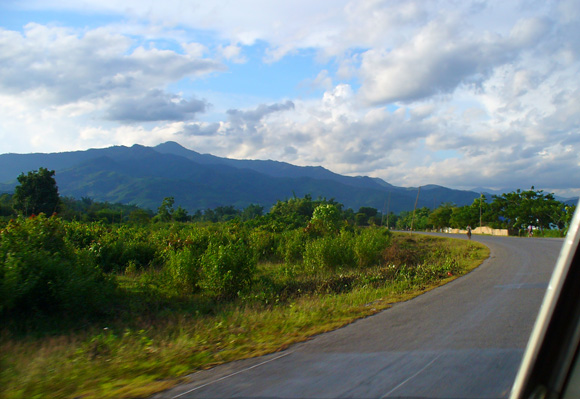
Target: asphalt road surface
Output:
[{"x": 462, "y": 340}]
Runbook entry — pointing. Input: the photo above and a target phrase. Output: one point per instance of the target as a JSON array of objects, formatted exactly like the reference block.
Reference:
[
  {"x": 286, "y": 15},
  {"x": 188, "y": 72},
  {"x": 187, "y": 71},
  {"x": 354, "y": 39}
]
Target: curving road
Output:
[{"x": 462, "y": 340}]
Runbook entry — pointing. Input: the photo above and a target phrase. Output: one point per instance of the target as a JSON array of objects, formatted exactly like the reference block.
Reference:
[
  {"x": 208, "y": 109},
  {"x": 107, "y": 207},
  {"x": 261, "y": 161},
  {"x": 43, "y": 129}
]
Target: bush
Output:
[
  {"x": 369, "y": 246},
  {"x": 326, "y": 219},
  {"x": 119, "y": 248},
  {"x": 265, "y": 244},
  {"x": 330, "y": 252},
  {"x": 293, "y": 245},
  {"x": 402, "y": 253},
  {"x": 549, "y": 233},
  {"x": 83, "y": 235},
  {"x": 41, "y": 272},
  {"x": 183, "y": 269},
  {"x": 228, "y": 268}
]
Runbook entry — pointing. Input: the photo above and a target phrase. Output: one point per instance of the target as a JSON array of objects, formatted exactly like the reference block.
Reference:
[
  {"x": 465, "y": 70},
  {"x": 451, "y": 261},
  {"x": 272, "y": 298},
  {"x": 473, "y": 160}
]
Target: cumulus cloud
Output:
[
  {"x": 59, "y": 65},
  {"x": 239, "y": 117},
  {"x": 232, "y": 52},
  {"x": 454, "y": 93},
  {"x": 201, "y": 129},
  {"x": 436, "y": 60},
  {"x": 155, "y": 105}
]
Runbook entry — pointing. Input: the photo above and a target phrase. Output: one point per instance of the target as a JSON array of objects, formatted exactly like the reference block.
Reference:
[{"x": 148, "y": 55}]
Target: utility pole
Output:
[
  {"x": 480, "y": 198},
  {"x": 383, "y": 215},
  {"x": 414, "y": 209},
  {"x": 388, "y": 209}
]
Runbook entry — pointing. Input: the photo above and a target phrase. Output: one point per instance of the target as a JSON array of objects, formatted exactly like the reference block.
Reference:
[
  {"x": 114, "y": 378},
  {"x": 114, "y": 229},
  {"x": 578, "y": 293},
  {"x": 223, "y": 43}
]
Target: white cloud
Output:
[
  {"x": 65, "y": 66},
  {"x": 232, "y": 52},
  {"x": 154, "y": 105},
  {"x": 454, "y": 93},
  {"x": 436, "y": 60}
]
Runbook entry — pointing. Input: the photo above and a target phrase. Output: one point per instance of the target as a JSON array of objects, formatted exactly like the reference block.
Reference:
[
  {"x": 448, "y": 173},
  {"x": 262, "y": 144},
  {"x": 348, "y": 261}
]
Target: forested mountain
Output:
[{"x": 145, "y": 175}]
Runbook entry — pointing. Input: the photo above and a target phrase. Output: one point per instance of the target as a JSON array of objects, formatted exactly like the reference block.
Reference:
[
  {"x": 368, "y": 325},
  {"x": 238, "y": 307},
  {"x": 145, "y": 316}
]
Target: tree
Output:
[
  {"x": 252, "y": 211},
  {"x": 139, "y": 216},
  {"x": 520, "y": 209},
  {"x": 180, "y": 215},
  {"x": 441, "y": 217},
  {"x": 37, "y": 193},
  {"x": 326, "y": 218},
  {"x": 464, "y": 216},
  {"x": 366, "y": 215},
  {"x": 405, "y": 219},
  {"x": 6, "y": 209},
  {"x": 165, "y": 211}
]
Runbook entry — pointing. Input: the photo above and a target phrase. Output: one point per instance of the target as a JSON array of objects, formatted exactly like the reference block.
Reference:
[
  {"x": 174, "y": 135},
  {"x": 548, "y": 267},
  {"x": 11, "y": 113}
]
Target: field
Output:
[{"x": 97, "y": 311}]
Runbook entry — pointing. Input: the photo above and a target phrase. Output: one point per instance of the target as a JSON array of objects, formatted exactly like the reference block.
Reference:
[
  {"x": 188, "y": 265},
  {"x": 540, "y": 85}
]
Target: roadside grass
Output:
[{"x": 156, "y": 342}]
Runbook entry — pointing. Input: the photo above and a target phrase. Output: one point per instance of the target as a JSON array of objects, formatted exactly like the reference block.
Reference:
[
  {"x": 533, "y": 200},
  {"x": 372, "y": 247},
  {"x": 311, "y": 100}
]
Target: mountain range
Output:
[{"x": 145, "y": 175}]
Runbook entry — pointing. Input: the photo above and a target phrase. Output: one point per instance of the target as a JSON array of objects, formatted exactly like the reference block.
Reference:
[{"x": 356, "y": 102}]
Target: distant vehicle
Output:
[{"x": 550, "y": 368}]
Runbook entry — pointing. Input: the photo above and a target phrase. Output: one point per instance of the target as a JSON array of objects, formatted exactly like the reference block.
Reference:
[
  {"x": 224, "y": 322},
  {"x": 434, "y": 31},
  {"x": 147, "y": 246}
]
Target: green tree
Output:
[
  {"x": 139, "y": 216},
  {"x": 420, "y": 222},
  {"x": 326, "y": 218},
  {"x": 252, "y": 211},
  {"x": 6, "y": 209},
  {"x": 390, "y": 220},
  {"x": 37, "y": 193},
  {"x": 225, "y": 213},
  {"x": 441, "y": 217},
  {"x": 165, "y": 210},
  {"x": 464, "y": 216},
  {"x": 361, "y": 219},
  {"x": 180, "y": 215},
  {"x": 295, "y": 212},
  {"x": 567, "y": 216},
  {"x": 519, "y": 209},
  {"x": 366, "y": 215}
]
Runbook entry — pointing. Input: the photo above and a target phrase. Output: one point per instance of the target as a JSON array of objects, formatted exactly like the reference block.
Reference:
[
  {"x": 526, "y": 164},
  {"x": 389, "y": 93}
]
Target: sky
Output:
[{"x": 463, "y": 94}]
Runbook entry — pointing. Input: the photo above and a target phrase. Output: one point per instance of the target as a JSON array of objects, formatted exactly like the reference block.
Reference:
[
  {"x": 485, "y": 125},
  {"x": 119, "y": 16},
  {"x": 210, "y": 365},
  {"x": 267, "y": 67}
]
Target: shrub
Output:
[
  {"x": 228, "y": 268},
  {"x": 330, "y": 252},
  {"x": 183, "y": 269},
  {"x": 369, "y": 246},
  {"x": 265, "y": 244},
  {"x": 83, "y": 235},
  {"x": 41, "y": 272},
  {"x": 293, "y": 245},
  {"x": 401, "y": 253},
  {"x": 326, "y": 219},
  {"x": 119, "y": 248}
]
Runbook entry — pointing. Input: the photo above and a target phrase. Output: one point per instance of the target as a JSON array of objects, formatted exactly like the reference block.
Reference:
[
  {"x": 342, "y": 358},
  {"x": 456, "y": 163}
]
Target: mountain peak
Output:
[
  {"x": 171, "y": 147},
  {"x": 170, "y": 144}
]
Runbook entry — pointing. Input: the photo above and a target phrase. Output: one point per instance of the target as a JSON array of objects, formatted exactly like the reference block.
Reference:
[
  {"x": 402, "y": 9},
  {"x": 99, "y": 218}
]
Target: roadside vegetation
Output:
[
  {"x": 514, "y": 211},
  {"x": 98, "y": 309}
]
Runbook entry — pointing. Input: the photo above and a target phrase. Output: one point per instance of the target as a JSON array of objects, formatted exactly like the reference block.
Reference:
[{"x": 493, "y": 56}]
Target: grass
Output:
[{"x": 152, "y": 348}]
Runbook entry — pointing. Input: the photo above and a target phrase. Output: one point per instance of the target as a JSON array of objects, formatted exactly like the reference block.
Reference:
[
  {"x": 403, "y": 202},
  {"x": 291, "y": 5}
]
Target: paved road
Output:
[{"x": 462, "y": 340}]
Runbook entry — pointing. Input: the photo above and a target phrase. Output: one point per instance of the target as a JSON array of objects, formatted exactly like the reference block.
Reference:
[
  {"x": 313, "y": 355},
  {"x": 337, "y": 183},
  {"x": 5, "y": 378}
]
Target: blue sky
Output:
[{"x": 462, "y": 94}]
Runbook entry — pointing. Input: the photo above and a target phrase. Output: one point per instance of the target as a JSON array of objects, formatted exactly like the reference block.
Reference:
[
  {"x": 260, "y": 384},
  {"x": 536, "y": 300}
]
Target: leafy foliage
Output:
[
  {"x": 228, "y": 266},
  {"x": 40, "y": 272},
  {"x": 37, "y": 193},
  {"x": 326, "y": 219}
]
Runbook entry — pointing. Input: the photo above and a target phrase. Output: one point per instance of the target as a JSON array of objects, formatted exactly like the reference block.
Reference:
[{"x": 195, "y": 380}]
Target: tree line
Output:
[{"x": 515, "y": 211}]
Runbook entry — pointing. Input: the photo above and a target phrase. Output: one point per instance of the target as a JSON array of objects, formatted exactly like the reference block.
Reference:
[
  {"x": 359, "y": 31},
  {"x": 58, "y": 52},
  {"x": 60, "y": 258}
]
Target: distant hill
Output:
[{"x": 145, "y": 175}]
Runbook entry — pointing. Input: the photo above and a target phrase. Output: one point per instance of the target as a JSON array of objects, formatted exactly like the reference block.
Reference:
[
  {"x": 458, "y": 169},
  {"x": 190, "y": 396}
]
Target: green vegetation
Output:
[
  {"x": 95, "y": 309},
  {"x": 514, "y": 211},
  {"x": 36, "y": 193},
  {"x": 109, "y": 300}
]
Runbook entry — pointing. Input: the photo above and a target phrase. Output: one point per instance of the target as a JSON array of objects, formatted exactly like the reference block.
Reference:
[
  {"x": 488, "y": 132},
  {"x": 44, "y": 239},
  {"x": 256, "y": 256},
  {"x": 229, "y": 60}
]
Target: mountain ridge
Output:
[{"x": 143, "y": 176}]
